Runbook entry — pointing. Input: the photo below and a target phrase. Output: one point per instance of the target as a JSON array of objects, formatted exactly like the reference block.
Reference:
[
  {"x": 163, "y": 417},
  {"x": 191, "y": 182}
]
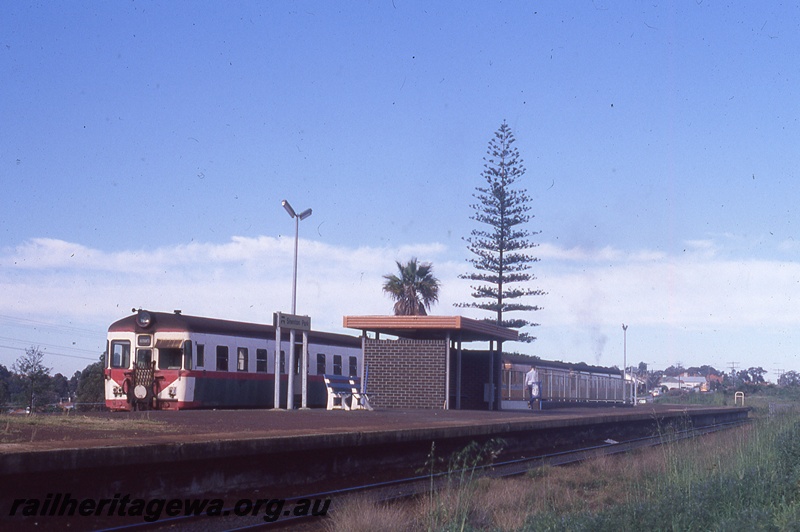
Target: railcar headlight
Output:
[{"x": 144, "y": 319}]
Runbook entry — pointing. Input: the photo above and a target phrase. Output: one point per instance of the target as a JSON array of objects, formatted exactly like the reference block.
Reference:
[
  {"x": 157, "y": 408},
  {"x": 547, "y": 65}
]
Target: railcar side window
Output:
[
  {"x": 187, "y": 354},
  {"x": 222, "y": 358},
  {"x": 337, "y": 364},
  {"x": 241, "y": 359},
  {"x": 169, "y": 358},
  {"x": 283, "y": 361},
  {"x": 321, "y": 366},
  {"x": 201, "y": 355},
  {"x": 261, "y": 360},
  {"x": 120, "y": 354},
  {"x": 353, "y": 367}
]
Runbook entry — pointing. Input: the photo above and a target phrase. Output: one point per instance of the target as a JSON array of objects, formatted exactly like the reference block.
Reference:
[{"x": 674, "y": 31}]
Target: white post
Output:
[
  {"x": 277, "y": 403},
  {"x": 625, "y": 362},
  {"x": 305, "y": 370}
]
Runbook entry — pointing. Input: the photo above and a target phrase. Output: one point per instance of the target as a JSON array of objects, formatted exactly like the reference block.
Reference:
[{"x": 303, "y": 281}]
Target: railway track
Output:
[{"x": 402, "y": 488}]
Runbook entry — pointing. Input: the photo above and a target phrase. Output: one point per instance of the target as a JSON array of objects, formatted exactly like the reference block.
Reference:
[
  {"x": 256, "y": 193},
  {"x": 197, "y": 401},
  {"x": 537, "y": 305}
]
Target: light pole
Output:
[
  {"x": 625, "y": 361},
  {"x": 290, "y": 366}
]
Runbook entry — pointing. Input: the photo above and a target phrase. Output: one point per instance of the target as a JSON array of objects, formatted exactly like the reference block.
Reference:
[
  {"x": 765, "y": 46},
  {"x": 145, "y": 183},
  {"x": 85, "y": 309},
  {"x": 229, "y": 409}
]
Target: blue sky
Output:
[{"x": 145, "y": 149}]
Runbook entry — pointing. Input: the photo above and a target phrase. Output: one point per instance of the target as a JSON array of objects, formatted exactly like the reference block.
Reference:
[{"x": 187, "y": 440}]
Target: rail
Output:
[{"x": 391, "y": 490}]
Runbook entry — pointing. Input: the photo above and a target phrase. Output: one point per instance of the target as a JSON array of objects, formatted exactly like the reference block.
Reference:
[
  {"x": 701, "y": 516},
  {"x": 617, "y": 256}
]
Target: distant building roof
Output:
[{"x": 686, "y": 381}]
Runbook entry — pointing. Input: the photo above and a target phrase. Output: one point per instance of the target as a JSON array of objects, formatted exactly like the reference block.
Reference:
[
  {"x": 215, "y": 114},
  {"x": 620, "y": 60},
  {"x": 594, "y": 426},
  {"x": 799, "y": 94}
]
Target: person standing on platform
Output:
[{"x": 532, "y": 384}]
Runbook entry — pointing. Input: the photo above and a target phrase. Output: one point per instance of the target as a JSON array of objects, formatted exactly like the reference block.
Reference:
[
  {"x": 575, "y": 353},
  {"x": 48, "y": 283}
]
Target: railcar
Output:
[
  {"x": 172, "y": 361},
  {"x": 562, "y": 383}
]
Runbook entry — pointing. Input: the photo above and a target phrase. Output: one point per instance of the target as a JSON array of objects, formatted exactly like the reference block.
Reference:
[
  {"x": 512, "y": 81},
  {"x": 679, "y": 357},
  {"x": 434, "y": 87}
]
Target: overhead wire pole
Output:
[
  {"x": 734, "y": 376},
  {"x": 625, "y": 362}
]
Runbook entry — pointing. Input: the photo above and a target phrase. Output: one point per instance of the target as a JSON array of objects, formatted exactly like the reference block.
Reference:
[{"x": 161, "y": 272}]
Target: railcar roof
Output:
[
  {"x": 175, "y": 322},
  {"x": 517, "y": 358}
]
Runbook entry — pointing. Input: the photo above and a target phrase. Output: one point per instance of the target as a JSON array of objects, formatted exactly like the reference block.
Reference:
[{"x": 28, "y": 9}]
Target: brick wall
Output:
[{"x": 406, "y": 373}]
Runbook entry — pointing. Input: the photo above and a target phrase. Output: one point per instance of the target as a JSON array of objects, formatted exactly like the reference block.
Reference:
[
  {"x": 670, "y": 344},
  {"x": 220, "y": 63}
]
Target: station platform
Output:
[{"x": 289, "y": 453}]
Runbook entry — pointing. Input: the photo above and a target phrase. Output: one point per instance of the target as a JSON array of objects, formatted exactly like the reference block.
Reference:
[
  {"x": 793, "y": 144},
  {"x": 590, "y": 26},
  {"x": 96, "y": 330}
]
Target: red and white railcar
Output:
[{"x": 171, "y": 361}]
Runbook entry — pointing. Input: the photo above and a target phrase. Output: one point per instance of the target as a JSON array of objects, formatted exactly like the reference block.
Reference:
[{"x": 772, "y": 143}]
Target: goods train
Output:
[
  {"x": 562, "y": 383},
  {"x": 171, "y": 361}
]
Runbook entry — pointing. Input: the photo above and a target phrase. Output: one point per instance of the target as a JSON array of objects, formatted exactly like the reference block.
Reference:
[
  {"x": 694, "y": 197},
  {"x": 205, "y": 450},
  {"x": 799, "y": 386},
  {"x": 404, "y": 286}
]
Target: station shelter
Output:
[{"x": 425, "y": 365}]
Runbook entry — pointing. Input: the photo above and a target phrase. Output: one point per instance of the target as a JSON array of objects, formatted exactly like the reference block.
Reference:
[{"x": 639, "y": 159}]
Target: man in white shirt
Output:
[{"x": 532, "y": 384}]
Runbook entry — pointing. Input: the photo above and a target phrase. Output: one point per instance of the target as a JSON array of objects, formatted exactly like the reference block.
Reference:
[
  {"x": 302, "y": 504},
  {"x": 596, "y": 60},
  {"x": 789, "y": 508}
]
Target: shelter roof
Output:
[{"x": 432, "y": 327}]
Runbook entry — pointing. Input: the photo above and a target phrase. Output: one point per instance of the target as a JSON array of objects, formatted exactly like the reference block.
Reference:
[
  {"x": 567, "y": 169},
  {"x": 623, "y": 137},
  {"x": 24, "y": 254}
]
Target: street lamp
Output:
[
  {"x": 625, "y": 360},
  {"x": 290, "y": 369}
]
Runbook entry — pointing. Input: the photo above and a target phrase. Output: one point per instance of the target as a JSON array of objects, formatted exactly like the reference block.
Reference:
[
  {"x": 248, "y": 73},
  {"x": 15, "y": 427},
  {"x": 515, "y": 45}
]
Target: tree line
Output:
[
  {"x": 29, "y": 385},
  {"x": 743, "y": 379}
]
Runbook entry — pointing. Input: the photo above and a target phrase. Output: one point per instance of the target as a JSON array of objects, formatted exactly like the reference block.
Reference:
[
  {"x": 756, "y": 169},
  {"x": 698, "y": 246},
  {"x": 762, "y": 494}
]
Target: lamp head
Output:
[{"x": 289, "y": 208}]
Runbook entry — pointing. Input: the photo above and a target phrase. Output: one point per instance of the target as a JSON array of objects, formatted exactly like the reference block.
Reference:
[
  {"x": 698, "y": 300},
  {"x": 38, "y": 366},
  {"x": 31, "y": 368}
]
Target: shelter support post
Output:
[
  {"x": 447, "y": 372},
  {"x": 458, "y": 375}
]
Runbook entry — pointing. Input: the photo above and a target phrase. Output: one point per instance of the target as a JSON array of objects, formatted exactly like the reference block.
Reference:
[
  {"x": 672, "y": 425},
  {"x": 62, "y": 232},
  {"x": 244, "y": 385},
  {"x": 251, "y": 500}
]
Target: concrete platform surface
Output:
[{"x": 110, "y": 429}]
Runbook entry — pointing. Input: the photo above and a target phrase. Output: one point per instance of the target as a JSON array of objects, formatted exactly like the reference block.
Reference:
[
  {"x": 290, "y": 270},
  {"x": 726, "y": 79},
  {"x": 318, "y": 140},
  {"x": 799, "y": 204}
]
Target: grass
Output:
[{"x": 746, "y": 478}]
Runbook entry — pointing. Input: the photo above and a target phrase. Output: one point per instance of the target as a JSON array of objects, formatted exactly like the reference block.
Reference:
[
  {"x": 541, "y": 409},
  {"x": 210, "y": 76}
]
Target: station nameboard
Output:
[{"x": 291, "y": 321}]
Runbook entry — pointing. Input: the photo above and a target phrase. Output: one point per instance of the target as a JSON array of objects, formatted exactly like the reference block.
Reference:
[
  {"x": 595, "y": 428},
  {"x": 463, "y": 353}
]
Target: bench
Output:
[
  {"x": 339, "y": 391},
  {"x": 360, "y": 400},
  {"x": 344, "y": 393}
]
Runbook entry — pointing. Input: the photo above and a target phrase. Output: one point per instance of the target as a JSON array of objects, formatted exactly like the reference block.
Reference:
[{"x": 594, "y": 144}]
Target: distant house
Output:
[{"x": 685, "y": 382}]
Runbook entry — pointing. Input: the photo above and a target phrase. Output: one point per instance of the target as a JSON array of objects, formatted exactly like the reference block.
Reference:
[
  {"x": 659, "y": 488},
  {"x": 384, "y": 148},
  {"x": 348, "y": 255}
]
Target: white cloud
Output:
[
  {"x": 245, "y": 278},
  {"x": 590, "y": 292},
  {"x": 606, "y": 285}
]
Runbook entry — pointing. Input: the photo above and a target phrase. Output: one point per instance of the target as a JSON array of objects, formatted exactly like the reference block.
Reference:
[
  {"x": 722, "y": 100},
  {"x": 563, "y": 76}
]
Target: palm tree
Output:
[{"x": 414, "y": 289}]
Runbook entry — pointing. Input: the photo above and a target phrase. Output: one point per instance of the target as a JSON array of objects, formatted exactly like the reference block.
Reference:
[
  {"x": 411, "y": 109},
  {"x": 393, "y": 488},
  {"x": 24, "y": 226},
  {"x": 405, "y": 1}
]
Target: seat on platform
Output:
[
  {"x": 340, "y": 392},
  {"x": 360, "y": 400}
]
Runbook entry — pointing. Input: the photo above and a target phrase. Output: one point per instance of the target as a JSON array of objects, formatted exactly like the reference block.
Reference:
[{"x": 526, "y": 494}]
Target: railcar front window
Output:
[
  {"x": 144, "y": 358},
  {"x": 169, "y": 358},
  {"x": 120, "y": 354}
]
